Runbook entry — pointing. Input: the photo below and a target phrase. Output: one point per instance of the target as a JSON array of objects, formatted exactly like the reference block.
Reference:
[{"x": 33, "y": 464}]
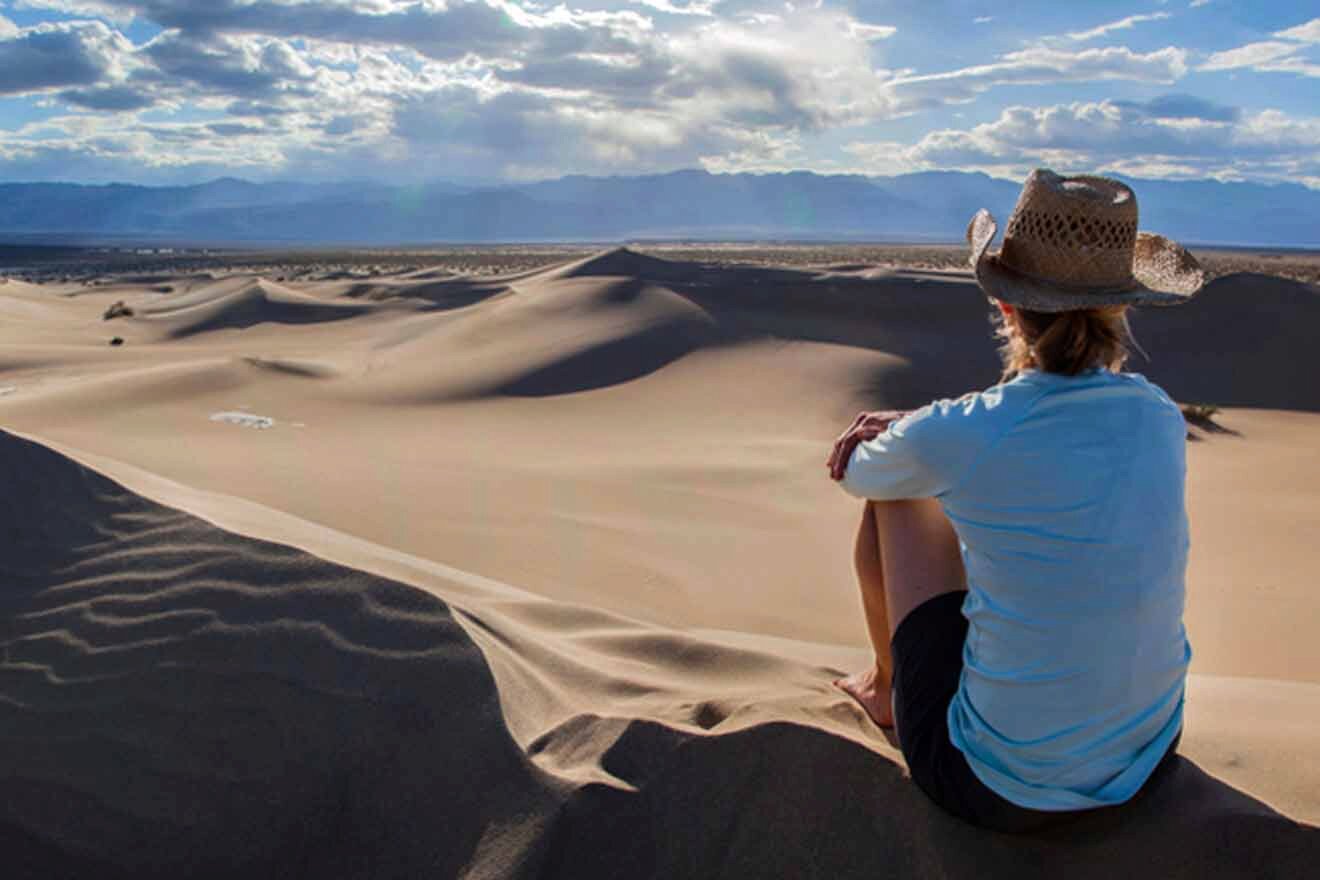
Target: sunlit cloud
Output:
[
  {"x": 1291, "y": 52},
  {"x": 1171, "y": 136},
  {"x": 1120, "y": 25},
  {"x": 512, "y": 89}
]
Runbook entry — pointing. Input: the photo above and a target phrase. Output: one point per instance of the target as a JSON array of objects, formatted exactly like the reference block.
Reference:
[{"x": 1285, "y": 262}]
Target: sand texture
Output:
[{"x": 540, "y": 575}]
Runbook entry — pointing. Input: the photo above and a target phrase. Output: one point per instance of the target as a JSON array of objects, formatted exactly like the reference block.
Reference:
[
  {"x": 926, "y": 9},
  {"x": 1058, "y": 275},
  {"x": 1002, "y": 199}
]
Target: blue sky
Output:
[{"x": 169, "y": 91}]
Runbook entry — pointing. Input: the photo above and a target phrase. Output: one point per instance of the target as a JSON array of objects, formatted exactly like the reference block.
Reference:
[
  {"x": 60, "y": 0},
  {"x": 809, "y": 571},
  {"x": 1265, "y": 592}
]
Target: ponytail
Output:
[{"x": 1067, "y": 343}]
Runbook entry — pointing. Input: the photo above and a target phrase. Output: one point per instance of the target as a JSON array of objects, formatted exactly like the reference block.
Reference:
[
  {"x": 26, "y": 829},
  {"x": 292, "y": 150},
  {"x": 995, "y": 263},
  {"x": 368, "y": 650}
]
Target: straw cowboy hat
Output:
[{"x": 1072, "y": 243}]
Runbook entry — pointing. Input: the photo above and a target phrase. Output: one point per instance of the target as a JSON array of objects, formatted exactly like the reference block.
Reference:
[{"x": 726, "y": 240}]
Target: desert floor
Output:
[{"x": 565, "y": 538}]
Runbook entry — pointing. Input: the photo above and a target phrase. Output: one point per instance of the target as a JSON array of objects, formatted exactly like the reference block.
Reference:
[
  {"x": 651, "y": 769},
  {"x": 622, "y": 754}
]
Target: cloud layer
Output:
[
  {"x": 487, "y": 89},
  {"x": 1174, "y": 136}
]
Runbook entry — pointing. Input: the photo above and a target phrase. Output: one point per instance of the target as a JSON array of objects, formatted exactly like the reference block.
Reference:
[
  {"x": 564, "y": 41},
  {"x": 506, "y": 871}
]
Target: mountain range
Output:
[{"x": 923, "y": 207}]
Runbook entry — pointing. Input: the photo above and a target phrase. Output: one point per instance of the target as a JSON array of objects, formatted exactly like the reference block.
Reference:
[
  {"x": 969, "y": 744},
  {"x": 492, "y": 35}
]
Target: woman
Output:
[{"x": 1022, "y": 549}]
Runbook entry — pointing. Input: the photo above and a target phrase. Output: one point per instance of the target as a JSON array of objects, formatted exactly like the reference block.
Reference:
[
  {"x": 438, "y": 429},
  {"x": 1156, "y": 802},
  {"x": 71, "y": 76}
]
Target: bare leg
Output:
[
  {"x": 919, "y": 560},
  {"x": 871, "y": 686}
]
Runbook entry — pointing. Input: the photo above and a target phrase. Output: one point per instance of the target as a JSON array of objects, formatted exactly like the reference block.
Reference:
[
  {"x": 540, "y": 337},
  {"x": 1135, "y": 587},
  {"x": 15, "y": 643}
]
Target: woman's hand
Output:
[{"x": 867, "y": 426}]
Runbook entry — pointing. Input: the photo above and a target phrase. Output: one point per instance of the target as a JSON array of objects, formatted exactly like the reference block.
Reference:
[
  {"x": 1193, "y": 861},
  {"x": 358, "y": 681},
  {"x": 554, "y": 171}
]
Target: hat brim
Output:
[{"x": 1165, "y": 275}]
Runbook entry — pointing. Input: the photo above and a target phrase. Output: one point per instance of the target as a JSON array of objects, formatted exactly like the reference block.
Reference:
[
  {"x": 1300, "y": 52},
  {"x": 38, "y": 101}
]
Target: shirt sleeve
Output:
[{"x": 922, "y": 455}]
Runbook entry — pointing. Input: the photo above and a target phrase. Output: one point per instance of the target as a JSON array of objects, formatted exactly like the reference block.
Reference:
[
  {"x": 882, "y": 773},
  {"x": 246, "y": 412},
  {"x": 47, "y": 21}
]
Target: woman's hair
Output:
[{"x": 1063, "y": 342}]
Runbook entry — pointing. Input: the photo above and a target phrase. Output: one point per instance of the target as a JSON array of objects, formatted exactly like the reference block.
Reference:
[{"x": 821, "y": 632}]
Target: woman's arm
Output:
[
  {"x": 887, "y": 455},
  {"x": 867, "y": 426}
]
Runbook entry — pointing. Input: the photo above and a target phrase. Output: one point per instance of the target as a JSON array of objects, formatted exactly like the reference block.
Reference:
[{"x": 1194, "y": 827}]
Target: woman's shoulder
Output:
[
  {"x": 991, "y": 411},
  {"x": 1139, "y": 381},
  {"x": 1156, "y": 399},
  {"x": 1050, "y": 383},
  {"x": 975, "y": 412}
]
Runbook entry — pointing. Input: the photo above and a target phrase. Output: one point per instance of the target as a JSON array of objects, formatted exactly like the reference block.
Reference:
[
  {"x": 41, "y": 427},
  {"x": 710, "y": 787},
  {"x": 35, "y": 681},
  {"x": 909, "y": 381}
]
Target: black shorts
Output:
[{"x": 927, "y": 649}]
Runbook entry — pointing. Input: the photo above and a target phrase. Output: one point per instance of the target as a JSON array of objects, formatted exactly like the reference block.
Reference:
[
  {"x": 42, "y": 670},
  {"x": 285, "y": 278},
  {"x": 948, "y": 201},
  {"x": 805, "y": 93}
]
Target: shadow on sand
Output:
[{"x": 1244, "y": 341}]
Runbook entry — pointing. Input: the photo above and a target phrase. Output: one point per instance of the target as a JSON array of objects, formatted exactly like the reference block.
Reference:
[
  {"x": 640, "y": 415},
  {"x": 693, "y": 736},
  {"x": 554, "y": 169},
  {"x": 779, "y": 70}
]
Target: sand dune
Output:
[
  {"x": 629, "y": 450},
  {"x": 236, "y": 304},
  {"x": 222, "y": 705},
  {"x": 1244, "y": 342},
  {"x": 231, "y": 705},
  {"x": 569, "y": 337}
]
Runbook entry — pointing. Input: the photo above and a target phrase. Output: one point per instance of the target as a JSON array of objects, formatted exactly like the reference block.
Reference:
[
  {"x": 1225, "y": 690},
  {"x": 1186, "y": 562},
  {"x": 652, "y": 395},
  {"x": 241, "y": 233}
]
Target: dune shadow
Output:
[
  {"x": 176, "y": 700},
  {"x": 785, "y": 800},
  {"x": 1244, "y": 341},
  {"x": 938, "y": 328},
  {"x": 287, "y": 367},
  {"x": 436, "y": 295},
  {"x": 255, "y": 304},
  {"x": 611, "y": 362}
]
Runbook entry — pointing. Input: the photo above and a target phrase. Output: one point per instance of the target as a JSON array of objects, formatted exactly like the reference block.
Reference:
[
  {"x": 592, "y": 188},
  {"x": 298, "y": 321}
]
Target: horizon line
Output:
[{"x": 513, "y": 184}]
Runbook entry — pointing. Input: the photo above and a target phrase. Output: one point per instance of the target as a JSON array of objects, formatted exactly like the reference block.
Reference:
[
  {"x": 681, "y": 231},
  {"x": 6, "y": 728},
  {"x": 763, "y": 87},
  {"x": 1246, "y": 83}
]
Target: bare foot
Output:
[{"x": 871, "y": 689}]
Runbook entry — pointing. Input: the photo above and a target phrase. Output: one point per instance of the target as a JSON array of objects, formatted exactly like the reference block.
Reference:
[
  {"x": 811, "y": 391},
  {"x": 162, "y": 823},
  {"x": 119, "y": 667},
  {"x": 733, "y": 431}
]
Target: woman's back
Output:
[{"x": 1067, "y": 496}]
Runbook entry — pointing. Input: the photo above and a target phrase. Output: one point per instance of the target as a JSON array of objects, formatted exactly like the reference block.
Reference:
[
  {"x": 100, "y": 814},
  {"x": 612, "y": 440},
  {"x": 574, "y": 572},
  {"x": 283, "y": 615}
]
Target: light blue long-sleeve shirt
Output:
[{"x": 1067, "y": 497}]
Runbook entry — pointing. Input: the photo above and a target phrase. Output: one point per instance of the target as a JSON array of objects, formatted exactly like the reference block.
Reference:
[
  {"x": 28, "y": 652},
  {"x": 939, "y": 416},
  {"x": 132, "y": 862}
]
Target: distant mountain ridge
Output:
[{"x": 692, "y": 204}]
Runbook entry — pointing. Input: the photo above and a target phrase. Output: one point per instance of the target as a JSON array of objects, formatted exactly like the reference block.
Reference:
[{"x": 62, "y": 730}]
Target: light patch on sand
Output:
[
  {"x": 244, "y": 420},
  {"x": 7, "y": 389}
]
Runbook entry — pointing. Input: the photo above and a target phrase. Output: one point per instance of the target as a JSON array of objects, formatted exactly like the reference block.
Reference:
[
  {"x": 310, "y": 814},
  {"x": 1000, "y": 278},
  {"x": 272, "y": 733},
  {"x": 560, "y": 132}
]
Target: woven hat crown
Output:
[{"x": 1075, "y": 232}]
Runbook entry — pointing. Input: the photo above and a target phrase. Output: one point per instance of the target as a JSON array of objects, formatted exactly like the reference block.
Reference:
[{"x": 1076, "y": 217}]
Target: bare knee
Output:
[
  {"x": 919, "y": 551},
  {"x": 914, "y": 519}
]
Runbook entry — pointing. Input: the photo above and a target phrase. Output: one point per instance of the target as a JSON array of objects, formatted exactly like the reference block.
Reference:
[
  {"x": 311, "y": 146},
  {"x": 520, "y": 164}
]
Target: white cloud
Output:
[
  {"x": 1121, "y": 24},
  {"x": 1275, "y": 129},
  {"x": 696, "y": 7},
  {"x": 1154, "y": 168},
  {"x": 884, "y": 157},
  {"x": 1250, "y": 55},
  {"x": 1037, "y": 65},
  {"x": 95, "y": 8},
  {"x": 113, "y": 149},
  {"x": 807, "y": 70},
  {"x": 440, "y": 30},
  {"x": 237, "y": 66},
  {"x": 1304, "y": 33},
  {"x": 870, "y": 32},
  {"x": 1131, "y": 137},
  {"x": 1198, "y": 3},
  {"x": 1287, "y": 54},
  {"x": 554, "y": 90},
  {"x": 592, "y": 92},
  {"x": 760, "y": 152},
  {"x": 1299, "y": 66},
  {"x": 983, "y": 19},
  {"x": 490, "y": 88},
  {"x": 51, "y": 56}
]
